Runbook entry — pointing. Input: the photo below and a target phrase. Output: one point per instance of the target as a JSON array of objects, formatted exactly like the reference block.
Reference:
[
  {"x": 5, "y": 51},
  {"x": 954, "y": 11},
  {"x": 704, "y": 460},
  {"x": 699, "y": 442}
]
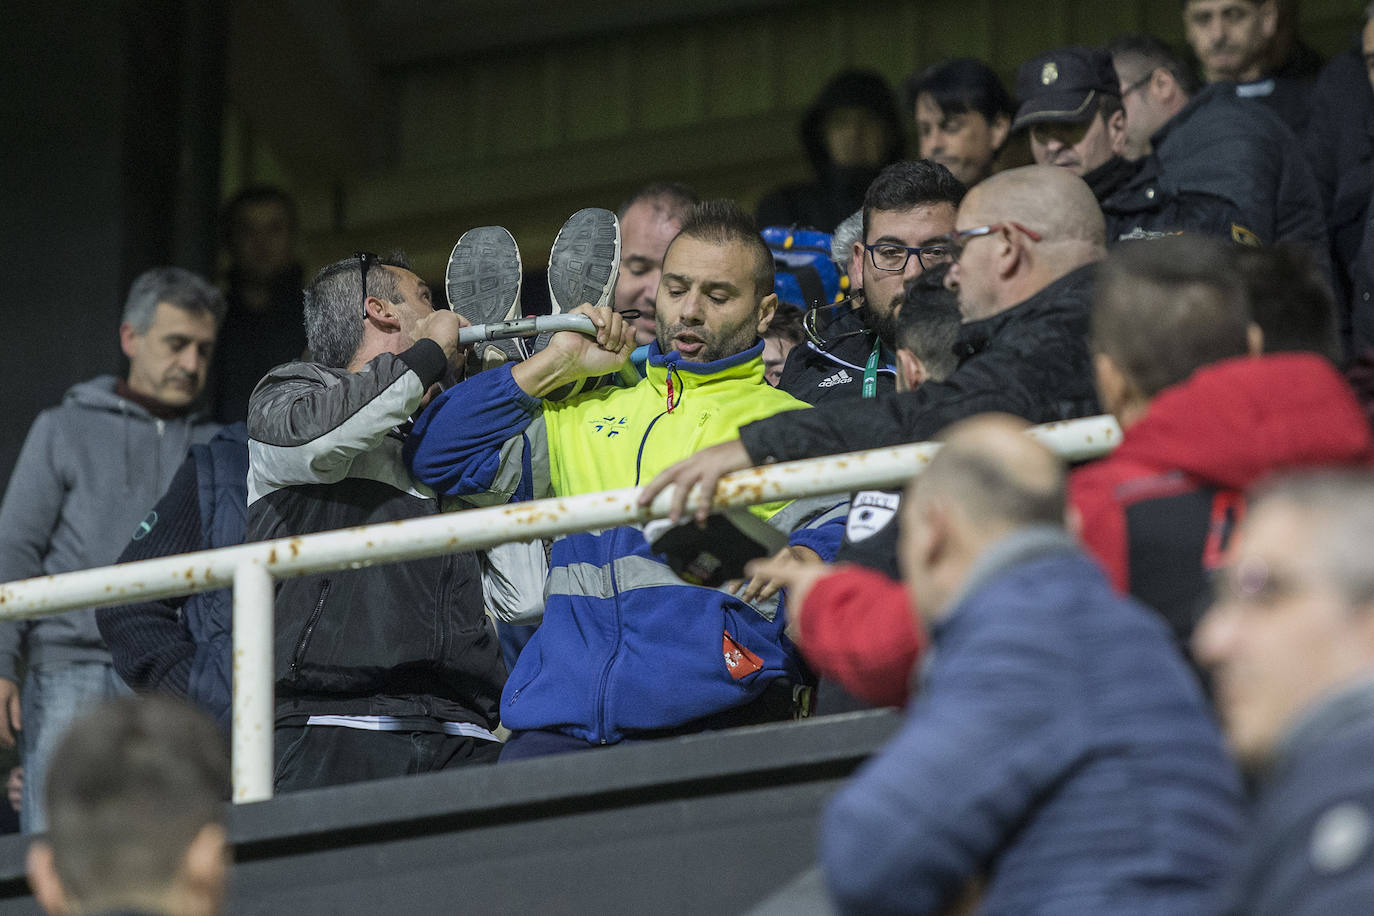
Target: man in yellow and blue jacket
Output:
[{"x": 627, "y": 650}]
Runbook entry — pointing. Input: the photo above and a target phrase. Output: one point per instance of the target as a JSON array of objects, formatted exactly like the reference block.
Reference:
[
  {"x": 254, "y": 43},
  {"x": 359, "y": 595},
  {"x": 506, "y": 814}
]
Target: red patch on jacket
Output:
[{"x": 738, "y": 659}]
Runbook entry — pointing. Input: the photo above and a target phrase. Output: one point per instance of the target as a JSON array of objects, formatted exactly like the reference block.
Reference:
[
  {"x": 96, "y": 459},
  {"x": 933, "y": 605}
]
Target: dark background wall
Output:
[
  {"x": 395, "y": 123},
  {"x": 110, "y": 121}
]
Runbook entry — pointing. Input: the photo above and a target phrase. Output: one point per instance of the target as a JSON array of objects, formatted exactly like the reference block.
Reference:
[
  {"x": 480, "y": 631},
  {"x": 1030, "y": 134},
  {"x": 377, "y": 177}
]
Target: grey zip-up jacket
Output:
[{"x": 90, "y": 470}]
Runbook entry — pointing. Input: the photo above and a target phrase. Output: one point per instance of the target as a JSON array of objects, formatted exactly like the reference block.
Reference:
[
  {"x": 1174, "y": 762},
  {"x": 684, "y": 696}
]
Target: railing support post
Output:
[{"x": 252, "y": 745}]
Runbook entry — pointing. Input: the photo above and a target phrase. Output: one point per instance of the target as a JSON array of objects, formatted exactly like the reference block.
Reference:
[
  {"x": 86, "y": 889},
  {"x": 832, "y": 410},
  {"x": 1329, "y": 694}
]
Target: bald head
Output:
[
  {"x": 988, "y": 480},
  {"x": 1054, "y": 202},
  {"x": 998, "y": 477},
  {"x": 1048, "y": 225}
]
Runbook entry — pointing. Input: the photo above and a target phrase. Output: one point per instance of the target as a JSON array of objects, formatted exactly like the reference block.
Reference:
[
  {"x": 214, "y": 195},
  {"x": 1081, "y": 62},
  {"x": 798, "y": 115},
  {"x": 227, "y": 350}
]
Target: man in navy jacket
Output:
[{"x": 1058, "y": 749}]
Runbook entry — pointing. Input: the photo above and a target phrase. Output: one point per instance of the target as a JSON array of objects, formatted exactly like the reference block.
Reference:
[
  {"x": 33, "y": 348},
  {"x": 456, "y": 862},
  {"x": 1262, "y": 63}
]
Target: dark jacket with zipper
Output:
[
  {"x": 836, "y": 373},
  {"x": 402, "y": 639},
  {"x": 1030, "y": 361},
  {"x": 1137, "y": 203}
]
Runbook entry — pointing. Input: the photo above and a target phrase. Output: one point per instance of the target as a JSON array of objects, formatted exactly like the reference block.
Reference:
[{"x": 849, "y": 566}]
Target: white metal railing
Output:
[{"x": 250, "y": 569}]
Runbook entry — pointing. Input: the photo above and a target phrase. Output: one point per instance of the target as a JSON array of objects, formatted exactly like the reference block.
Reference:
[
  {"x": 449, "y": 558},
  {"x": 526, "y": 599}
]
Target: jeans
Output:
[{"x": 54, "y": 695}]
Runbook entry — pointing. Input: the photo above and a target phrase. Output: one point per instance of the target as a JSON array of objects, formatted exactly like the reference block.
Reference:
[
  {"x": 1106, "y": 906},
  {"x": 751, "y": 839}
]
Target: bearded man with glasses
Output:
[{"x": 850, "y": 347}]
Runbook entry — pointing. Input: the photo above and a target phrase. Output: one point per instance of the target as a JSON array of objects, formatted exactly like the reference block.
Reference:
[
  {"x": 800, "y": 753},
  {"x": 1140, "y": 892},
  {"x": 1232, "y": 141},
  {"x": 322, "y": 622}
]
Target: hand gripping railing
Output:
[{"x": 251, "y": 568}]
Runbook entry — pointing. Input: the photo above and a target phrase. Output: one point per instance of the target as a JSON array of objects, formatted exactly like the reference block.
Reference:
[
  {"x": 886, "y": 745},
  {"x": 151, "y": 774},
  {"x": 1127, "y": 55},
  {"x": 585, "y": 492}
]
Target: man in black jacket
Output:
[
  {"x": 1210, "y": 140},
  {"x": 1024, "y": 245},
  {"x": 909, "y": 205},
  {"x": 1071, "y": 105},
  {"x": 384, "y": 671}
]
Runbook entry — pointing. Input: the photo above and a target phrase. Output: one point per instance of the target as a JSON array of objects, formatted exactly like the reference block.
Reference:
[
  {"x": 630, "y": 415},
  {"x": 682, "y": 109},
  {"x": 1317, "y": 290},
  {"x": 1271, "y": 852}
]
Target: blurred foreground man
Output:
[
  {"x": 1290, "y": 645},
  {"x": 1058, "y": 756},
  {"x": 136, "y": 810}
]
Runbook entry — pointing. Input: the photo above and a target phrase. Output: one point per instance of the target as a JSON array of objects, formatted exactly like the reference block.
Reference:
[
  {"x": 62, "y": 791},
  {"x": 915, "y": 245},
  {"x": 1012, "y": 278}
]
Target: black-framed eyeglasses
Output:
[
  {"x": 888, "y": 256},
  {"x": 364, "y": 259},
  {"x": 958, "y": 240}
]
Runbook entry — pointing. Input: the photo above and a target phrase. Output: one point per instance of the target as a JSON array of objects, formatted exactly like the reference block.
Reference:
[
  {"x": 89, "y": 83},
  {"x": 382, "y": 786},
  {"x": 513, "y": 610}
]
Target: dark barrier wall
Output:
[{"x": 707, "y": 824}]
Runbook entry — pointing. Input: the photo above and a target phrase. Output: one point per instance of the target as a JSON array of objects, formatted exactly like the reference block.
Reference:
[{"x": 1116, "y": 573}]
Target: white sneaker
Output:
[
  {"x": 585, "y": 260},
  {"x": 482, "y": 283}
]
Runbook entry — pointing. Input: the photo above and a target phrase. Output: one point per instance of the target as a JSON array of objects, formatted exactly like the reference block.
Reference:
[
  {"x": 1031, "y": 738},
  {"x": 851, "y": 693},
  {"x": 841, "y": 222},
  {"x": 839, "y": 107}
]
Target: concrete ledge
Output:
[{"x": 706, "y": 823}]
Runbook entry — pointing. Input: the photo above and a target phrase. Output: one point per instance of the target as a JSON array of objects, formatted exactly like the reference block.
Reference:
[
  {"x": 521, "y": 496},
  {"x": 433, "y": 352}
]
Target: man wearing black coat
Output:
[
  {"x": 1209, "y": 140},
  {"x": 1025, "y": 242},
  {"x": 1071, "y": 104}
]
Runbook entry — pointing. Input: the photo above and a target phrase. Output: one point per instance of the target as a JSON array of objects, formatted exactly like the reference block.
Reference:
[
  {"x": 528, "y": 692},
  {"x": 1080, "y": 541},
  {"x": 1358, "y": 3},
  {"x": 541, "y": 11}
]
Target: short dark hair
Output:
[
  {"x": 1154, "y": 54},
  {"x": 1108, "y": 105},
  {"x": 724, "y": 222},
  {"x": 787, "y": 324},
  {"x": 1290, "y": 299},
  {"x": 672, "y": 197},
  {"x": 129, "y": 787},
  {"x": 334, "y": 303},
  {"x": 911, "y": 183},
  {"x": 961, "y": 85},
  {"x": 1164, "y": 308},
  {"x": 256, "y": 194},
  {"x": 927, "y": 324}
]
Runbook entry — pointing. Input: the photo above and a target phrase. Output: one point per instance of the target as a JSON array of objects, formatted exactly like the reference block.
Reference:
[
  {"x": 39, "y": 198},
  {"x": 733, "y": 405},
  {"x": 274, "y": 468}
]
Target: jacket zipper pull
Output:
[{"x": 670, "y": 389}]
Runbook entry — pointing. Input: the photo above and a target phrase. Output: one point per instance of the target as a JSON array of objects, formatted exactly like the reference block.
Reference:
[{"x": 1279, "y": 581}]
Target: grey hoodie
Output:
[{"x": 89, "y": 472}]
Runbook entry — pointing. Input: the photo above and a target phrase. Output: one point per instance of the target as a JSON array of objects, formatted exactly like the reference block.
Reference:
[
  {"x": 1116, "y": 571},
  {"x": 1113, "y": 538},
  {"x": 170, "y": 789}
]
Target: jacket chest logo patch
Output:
[
  {"x": 610, "y": 426},
  {"x": 739, "y": 661},
  {"x": 870, "y": 511},
  {"x": 839, "y": 378}
]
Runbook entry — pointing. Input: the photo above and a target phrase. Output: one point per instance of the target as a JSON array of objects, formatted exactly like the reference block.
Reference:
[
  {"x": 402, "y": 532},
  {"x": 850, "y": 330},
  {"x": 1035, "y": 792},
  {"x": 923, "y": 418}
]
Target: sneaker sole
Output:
[
  {"x": 482, "y": 280},
  {"x": 585, "y": 260}
]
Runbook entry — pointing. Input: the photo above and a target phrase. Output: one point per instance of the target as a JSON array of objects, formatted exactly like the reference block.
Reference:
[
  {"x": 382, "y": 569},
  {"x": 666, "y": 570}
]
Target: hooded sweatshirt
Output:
[
  {"x": 89, "y": 472},
  {"x": 838, "y": 191},
  {"x": 1157, "y": 513}
]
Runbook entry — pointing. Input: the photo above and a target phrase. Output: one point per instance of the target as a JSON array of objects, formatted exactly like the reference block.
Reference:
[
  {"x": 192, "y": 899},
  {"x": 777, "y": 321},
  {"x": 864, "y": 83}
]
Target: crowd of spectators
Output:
[{"x": 1142, "y": 684}]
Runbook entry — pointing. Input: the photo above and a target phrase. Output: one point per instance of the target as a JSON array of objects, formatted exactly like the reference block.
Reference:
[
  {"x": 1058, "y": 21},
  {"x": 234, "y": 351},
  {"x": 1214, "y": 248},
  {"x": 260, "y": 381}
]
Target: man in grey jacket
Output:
[
  {"x": 89, "y": 471},
  {"x": 390, "y": 670}
]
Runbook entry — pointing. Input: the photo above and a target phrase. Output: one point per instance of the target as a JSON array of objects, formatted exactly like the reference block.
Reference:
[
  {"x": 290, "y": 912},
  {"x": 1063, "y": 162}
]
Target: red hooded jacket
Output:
[{"x": 1158, "y": 512}]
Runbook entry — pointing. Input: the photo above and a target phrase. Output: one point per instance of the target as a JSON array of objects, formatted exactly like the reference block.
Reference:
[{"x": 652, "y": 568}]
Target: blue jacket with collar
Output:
[
  {"x": 625, "y": 646},
  {"x": 1058, "y": 748}
]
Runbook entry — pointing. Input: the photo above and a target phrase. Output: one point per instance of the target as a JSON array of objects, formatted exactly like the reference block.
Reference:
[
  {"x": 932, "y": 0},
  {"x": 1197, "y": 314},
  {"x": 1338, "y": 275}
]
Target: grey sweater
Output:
[{"x": 89, "y": 472}]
